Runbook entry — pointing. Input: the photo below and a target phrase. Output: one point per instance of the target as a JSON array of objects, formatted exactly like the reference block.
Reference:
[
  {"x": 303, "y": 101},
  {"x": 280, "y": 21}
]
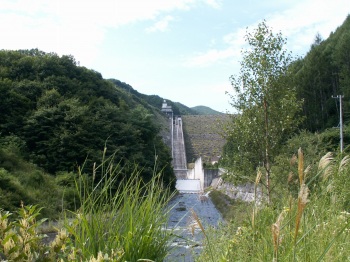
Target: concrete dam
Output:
[
  {"x": 190, "y": 184},
  {"x": 184, "y": 183},
  {"x": 179, "y": 151},
  {"x": 193, "y": 180}
]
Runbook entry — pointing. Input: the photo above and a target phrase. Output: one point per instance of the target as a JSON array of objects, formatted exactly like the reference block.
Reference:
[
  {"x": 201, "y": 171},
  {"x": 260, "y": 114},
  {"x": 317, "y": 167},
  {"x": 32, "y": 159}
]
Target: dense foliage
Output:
[
  {"x": 325, "y": 72},
  {"x": 316, "y": 79},
  {"x": 204, "y": 110},
  {"x": 112, "y": 224},
  {"x": 266, "y": 101},
  {"x": 62, "y": 116}
]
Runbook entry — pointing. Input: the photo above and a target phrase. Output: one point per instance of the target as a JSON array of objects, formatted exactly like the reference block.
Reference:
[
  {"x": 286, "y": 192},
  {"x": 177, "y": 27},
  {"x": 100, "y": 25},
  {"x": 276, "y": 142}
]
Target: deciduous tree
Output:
[{"x": 265, "y": 99}]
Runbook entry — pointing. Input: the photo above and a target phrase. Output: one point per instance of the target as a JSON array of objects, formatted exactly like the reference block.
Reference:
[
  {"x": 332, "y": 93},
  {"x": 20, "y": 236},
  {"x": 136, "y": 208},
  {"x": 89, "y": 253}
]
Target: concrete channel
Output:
[{"x": 186, "y": 246}]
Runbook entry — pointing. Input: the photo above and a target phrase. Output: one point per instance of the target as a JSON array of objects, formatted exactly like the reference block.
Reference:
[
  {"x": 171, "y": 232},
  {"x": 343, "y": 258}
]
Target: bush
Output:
[
  {"x": 12, "y": 149},
  {"x": 11, "y": 191}
]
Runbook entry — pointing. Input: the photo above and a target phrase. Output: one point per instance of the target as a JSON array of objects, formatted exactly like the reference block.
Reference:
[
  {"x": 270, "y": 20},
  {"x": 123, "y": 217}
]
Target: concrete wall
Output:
[
  {"x": 188, "y": 186},
  {"x": 179, "y": 153},
  {"x": 209, "y": 176},
  {"x": 199, "y": 173},
  {"x": 206, "y": 176},
  {"x": 190, "y": 174},
  {"x": 243, "y": 192}
]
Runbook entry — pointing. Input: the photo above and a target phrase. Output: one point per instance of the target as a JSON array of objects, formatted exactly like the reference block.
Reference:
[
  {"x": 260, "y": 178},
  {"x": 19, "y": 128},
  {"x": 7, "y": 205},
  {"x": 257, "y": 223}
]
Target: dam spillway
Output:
[
  {"x": 179, "y": 151},
  {"x": 183, "y": 183}
]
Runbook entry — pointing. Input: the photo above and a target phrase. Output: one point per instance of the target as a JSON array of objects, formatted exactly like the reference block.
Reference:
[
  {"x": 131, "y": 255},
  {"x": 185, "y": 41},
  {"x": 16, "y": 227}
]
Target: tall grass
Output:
[
  {"x": 119, "y": 219},
  {"x": 123, "y": 216},
  {"x": 312, "y": 226}
]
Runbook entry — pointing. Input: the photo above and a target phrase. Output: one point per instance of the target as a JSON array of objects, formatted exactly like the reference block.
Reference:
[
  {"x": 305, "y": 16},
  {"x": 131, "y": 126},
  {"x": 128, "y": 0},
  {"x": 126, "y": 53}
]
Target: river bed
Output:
[{"x": 186, "y": 246}]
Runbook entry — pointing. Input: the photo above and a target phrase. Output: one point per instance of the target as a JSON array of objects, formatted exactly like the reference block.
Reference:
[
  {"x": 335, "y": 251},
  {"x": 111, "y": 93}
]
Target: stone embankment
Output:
[{"x": 240, "y": 192}]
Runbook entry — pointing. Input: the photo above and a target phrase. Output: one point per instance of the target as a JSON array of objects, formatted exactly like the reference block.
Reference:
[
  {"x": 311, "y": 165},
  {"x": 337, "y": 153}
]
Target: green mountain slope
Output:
[
  {"x": 323, "y": 73},
  {"x": 204, "y": 110},
  {"x": 155, "y": 100},
  {"x": 64, "y": 115}
]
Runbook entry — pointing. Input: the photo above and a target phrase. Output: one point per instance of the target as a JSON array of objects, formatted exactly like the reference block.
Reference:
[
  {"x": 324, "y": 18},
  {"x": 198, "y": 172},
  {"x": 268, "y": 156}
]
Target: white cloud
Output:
[
  {"x": 299, "y": 25},
  {"x": 112, "y": 13},
  {"x": 214, "y": 3},
  {"x": 161, "y": 25},
  {"x": 41, "y": 26},
  {"x": 302, "y": 22},
  {"x": 211, "y": 57},
  {"x": 234, "y": 43},
  {"x": 76, "y": 27}
]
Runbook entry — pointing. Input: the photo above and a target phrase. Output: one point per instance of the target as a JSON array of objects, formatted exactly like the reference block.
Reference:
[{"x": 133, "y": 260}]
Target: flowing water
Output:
[{"x": 186, "y": 246}]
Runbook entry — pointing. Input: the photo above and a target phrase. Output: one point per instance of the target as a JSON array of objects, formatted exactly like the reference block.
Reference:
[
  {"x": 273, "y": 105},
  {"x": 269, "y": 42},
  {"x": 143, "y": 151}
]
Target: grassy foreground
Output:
[
  {"x": 308, "y": 221},
  {"x": 311, "y": 224},
  {"x": 114, "y": 223}
]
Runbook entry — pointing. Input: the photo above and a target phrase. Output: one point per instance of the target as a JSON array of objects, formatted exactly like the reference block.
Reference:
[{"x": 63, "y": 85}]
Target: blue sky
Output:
[{"x": 182, "y": 50}]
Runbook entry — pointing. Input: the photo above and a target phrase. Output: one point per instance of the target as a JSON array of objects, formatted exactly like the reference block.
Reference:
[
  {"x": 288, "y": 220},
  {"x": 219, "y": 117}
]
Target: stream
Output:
[{"x": 186, "y": 246}]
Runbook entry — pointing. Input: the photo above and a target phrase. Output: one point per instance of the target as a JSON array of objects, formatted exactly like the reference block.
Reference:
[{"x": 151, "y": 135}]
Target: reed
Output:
[
  {"x": 312, "y": 226},
  {"x": 196, "y": 222},
  {"x": 303, "y": 193},
  {"x": 125, "y": 218}
]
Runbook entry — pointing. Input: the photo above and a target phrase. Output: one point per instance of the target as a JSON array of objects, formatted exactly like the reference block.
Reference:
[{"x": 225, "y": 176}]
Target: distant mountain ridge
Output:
[
  {"x": 204, "y": 110},
  {"x": 156, "y": 101}
]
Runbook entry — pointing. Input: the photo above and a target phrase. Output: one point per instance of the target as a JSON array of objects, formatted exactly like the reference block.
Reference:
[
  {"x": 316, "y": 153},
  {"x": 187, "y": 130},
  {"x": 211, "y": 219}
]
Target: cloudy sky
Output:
[{"x": 182, "y": 50}]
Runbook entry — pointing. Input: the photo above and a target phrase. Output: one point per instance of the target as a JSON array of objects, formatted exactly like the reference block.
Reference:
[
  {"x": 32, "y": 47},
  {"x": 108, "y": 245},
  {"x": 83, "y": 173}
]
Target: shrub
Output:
[{"x": 11, "y": 191}]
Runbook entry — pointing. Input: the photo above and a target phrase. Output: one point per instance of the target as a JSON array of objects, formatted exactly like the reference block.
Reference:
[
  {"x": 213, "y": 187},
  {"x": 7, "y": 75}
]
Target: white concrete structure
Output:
[
  {"x": 188, "y": 185},
  {"x": 166, "y": 108},
  {"x": 197, "y": 173}
]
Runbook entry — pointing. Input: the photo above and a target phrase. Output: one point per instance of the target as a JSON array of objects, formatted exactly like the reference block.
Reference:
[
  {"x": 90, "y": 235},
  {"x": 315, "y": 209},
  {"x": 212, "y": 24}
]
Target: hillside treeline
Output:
[
  {"x": 315, "y": 81},
  {"x": 61, "y": 116},
  {"x": 325, "y": 72}
]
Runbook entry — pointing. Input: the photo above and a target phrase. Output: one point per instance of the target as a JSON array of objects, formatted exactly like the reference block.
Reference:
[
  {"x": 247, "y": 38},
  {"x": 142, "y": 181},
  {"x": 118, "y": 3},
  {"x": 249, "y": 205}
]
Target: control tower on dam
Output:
[{"x": 179, "y": 152}]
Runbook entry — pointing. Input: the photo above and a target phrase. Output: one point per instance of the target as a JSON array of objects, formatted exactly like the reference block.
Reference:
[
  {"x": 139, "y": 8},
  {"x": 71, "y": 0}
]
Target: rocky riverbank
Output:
[{"x": 240, "y": 192}]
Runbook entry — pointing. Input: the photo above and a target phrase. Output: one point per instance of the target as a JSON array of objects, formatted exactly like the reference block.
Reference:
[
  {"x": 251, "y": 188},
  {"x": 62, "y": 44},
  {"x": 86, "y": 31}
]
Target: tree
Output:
[
  {"x": 266, "y": 100},
  {"x": 66, "y": 115},
  {"x": 317, "y": 41}
]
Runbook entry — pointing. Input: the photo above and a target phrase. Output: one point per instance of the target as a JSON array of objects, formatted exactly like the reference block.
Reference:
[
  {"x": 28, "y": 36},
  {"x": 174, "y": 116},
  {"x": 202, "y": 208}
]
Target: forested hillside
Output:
[
  {"x": 155, "y": 100},
  {"x": 60, "y": 116},
  {"x": 325, "y": 72},
  {"x": 285, "y": 143},
  {"x": 204, "y": 110}
]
